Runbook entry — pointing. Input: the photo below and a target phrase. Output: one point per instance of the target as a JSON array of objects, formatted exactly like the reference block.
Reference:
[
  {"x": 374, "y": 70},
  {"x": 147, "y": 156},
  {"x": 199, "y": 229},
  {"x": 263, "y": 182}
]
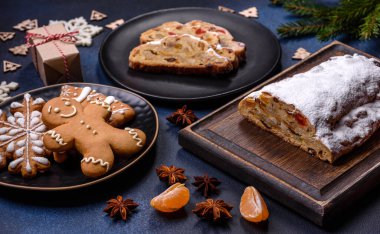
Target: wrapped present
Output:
[{"x": 54, "y": 54}]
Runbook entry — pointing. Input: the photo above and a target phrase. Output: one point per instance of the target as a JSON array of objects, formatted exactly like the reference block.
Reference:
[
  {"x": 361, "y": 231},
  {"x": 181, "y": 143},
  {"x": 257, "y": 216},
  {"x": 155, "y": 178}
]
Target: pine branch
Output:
[
  {"x": 351, "y": 12},
  {"x": 359, "y": 18},
  {"x": 277, "y": 2},
  {"x": 328, "y": 32},
  {"x": 371, "y": 26},
  {"x": 300, "y": 28},
  {"x": 305, "y": 8}
]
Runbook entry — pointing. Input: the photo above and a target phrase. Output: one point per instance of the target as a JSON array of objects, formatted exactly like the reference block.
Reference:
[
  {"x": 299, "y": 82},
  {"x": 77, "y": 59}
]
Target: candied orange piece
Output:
[
  {"x": 252, "y": 206},
  {"x": 172, "y": 199}
]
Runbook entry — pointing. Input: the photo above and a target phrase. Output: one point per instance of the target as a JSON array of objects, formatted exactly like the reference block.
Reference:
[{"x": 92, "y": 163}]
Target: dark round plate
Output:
[
  {"x": 263, "y": 54},
  {"x": 68, "y": 175}
]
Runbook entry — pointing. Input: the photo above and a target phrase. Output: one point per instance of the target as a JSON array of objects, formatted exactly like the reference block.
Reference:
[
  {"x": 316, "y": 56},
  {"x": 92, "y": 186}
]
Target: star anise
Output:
[
  {"x": 206, "y": 184},
  {"x": 119, "y": 207},
  {"x": 182, "y": 117},
  {"x": 213, "y": 210},
  {"x": 171, "y": 174}
]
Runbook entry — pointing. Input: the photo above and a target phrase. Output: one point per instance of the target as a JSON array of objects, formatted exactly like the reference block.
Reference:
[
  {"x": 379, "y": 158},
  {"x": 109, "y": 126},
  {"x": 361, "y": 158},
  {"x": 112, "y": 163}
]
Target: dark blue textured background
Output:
[{"x": 81, "y": 211}]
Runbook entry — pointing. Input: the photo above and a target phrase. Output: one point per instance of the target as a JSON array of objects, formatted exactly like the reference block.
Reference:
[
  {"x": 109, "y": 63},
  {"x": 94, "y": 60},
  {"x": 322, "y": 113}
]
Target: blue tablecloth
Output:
[{"x": 81, "y": 211}]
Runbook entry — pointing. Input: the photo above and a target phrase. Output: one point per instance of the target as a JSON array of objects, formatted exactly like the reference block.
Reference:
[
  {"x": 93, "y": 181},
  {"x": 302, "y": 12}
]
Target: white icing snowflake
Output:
[
  {"x": 65, "y": 92},
  {"x": 21, "y": 137},
  {"x": 86, "y": 31}
]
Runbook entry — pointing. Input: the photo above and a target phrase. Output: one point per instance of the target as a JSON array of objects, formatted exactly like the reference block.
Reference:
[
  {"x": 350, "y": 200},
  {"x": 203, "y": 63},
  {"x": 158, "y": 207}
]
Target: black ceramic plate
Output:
[
  {"x": 263, "y": 54},
  {"x": 69, "y": 175}
]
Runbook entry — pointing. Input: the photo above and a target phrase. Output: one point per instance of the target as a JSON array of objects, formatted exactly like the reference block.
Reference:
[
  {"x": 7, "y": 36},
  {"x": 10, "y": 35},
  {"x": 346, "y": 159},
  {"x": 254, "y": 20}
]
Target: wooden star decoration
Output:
[
  {"x": 226, "y": 9},
  {"x": 115, "y": 24},
  {"x": 19, "y": 50},
  {"x": 250, "y": 12},
  {"x": 96, "y": 15},
  {"x": 9, "y": 66},
  {"x": 301, "y": 53},
  {"x": 26, "y": 25},
  {"x": 4, "y": 36}
]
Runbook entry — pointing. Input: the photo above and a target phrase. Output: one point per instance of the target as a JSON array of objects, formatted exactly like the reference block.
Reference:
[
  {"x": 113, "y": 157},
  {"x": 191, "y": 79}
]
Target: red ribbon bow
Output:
[{"x": 64, "y": 37}]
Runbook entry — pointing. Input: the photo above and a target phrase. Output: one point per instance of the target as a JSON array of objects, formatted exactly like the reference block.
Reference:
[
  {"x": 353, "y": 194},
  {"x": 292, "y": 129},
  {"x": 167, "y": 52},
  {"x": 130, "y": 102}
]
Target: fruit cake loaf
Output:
[
  {"x": 184, "y": 54},
  {"x": 217, "y": 36},
  {"x": 326, "y": 111}
]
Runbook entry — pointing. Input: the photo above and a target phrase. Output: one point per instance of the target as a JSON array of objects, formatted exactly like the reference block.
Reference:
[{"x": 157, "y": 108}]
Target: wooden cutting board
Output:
[{"x": 315, "y": 189}]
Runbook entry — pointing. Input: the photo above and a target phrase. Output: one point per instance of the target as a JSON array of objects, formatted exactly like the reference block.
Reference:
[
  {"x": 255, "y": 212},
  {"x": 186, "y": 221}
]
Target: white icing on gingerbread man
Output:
[{"x": 121, "y": 112}]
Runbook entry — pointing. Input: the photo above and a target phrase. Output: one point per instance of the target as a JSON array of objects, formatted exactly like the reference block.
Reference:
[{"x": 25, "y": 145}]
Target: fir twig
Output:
[
  {"x": 304, "y": 8},
  {"x": 277, "y": 2},
  {"x": 300, "y": 28},
  {"x": 359, "y": 18},
  {"x": 371, "y": 26}
]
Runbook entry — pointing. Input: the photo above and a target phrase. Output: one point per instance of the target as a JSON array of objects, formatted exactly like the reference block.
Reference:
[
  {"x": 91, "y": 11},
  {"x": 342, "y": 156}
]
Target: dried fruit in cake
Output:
[
  {"x": 172, "y": 199},
  {"x": 183, "y": 54},
  {"x": 217, "y": 36},
  {"x": 196, "y": 27},
  {"x": 21, "y": 138},
  {"x": 85, "y": 129},
  {"x": 334, "y": 110},
  {"x": 252, "y": 206}
]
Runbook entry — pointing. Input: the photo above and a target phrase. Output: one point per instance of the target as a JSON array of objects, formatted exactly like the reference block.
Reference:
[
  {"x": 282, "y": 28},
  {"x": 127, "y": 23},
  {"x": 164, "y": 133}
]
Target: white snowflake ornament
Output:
[
  {"x": 5, "y": 89},
  {"x": 85, "y": 31}
]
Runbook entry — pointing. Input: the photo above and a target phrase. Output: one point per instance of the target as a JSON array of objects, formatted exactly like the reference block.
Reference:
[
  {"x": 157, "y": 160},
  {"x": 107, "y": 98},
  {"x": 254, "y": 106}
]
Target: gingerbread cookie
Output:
[
  {"x": 21, "y": 138},
  {"x": 86, "y": 129},
  {"x": 121, "y": 112}
]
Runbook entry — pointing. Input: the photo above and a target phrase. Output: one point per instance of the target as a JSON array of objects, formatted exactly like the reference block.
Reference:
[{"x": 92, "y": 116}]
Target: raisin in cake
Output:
[
  {"x": 218, "y": 37},
  {"x": 184, "y": 54},
  {"x": 326, "y": 111}
]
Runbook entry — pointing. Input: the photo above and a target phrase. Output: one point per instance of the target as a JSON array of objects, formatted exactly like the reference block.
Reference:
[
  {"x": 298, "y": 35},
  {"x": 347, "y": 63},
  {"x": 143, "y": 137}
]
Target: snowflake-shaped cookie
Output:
[
  {"x": 86, "y": 31},
  {"x": 21, "y": 138}
]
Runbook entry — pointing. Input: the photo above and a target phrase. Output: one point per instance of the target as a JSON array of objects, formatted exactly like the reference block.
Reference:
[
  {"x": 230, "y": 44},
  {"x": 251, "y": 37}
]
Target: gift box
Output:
[{"x": 54, "y": 54}]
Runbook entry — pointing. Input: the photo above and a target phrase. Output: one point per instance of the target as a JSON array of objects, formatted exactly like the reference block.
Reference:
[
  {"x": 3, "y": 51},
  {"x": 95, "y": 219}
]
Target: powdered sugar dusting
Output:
[{"x": 340, "y": 97}]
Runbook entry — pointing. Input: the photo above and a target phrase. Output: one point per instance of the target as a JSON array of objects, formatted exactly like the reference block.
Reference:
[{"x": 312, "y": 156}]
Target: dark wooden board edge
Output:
[
  {"x": 266, "y": 183},
  {"x": 320, "y": 212}
]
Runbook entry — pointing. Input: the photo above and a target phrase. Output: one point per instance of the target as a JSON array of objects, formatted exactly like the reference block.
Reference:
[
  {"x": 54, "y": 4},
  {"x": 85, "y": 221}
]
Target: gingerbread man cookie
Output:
[
  {"x": 21, "y": 138},
  {"x": 121, "y": 112},
  {"x": 86, "y": 129}
]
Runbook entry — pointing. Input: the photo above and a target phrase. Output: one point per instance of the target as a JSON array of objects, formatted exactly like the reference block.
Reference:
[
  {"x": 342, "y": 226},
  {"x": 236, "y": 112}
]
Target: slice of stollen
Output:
[
  {"x": 218, "y": 37},
  {"x": 184, "y": 54}
]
